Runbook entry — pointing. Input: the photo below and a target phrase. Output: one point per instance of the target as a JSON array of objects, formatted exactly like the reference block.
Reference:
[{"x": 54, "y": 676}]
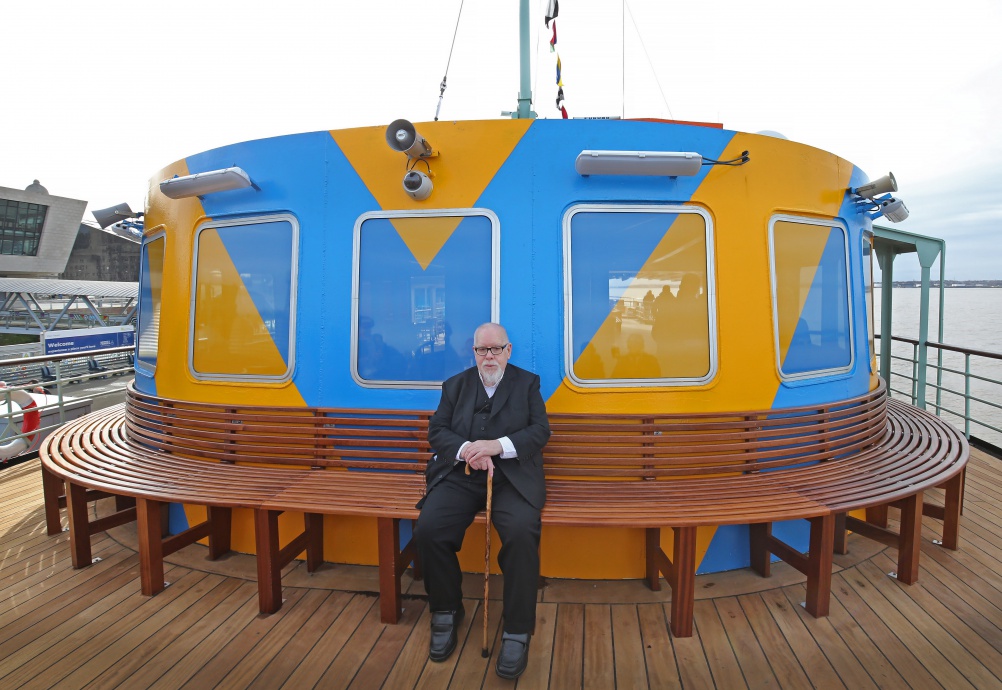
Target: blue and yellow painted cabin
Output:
[{"x": 325, "y": 285}]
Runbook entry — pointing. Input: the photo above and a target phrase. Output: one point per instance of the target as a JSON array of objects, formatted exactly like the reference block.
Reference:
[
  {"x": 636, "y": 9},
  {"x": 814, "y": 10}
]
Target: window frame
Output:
[
  {"x": 142, "y": 367},
  {"x": 824, "y": 223},
  {"x": 711, "y": 296},
  {"x": 293, "y": 299},
  {"x": 355, "y": 282},
  {"x": 869, "y": 298}
]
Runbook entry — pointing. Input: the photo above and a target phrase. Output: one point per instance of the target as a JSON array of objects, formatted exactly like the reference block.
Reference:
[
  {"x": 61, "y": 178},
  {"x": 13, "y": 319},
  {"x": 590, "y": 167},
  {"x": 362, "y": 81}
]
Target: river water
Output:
[{"x": 973, "y": 320}]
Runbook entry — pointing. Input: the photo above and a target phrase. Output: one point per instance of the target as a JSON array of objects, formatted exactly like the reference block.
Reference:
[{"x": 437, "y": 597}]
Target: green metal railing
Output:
[{"x": 967, "y": 388}]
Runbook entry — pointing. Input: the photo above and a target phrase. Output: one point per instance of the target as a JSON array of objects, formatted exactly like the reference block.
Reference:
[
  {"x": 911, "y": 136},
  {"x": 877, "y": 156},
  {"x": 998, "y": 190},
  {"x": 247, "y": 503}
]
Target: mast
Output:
[{"x": 525, "y": 90}]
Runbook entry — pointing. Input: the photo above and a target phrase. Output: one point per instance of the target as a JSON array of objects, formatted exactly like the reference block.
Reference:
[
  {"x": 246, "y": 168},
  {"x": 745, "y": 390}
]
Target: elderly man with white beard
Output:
[{"x": 492, "y": 419}]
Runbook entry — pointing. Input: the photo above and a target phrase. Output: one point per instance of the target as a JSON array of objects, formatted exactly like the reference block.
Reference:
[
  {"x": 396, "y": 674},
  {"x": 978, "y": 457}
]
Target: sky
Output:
[{"x": 115, "y": 90}]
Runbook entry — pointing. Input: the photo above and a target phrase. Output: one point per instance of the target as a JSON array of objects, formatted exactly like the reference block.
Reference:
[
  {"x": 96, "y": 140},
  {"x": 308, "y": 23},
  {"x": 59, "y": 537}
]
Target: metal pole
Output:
[
  {"x": 923, "y": 339},
  {"x": 525, "y": 90},
  {"x": 886, "y": 261}
]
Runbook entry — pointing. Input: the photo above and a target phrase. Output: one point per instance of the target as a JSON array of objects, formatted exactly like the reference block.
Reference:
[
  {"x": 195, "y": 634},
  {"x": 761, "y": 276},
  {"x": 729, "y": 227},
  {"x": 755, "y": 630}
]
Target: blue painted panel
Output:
[
  {"x": 147, "y": 330},
  {"x": 729, "y": 547}
]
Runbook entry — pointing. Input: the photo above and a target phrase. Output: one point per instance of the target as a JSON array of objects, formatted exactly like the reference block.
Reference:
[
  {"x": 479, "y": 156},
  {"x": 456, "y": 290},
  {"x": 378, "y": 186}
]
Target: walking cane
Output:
[{"x": 487, "y": 560}]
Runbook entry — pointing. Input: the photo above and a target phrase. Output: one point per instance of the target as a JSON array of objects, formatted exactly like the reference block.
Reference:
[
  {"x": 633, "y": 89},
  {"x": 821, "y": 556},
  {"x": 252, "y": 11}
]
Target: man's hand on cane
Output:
[{"x": 478, "y": 455}]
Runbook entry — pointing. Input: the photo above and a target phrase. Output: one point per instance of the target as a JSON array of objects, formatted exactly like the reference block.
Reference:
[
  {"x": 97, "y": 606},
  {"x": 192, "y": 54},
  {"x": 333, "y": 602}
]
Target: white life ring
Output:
[{"x": 30, "y": 421}]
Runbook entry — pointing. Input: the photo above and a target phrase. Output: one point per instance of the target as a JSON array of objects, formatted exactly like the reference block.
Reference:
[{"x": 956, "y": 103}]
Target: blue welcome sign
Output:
[{"x": 87, "y": 339}]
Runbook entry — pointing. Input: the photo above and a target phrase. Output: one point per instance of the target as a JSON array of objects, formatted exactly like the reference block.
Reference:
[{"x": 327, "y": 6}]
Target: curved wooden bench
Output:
[{"x": 637, "y": 471}]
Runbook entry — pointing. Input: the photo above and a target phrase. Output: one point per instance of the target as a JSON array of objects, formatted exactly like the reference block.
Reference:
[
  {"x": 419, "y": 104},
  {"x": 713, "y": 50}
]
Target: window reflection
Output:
[
  {"x": 425, "y": 284},
  {"x": 149, "y": 303},
  {"x": 812, "y": 297},
  {"x": 640, "y": 307}
]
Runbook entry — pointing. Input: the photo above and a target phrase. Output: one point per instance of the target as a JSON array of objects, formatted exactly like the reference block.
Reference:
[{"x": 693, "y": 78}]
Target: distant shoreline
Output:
[{"x": 949, "y": 284}]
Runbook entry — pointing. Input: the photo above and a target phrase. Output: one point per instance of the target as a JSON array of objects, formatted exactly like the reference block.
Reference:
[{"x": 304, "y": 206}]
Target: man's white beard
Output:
[{"x": 491, "y": 377}]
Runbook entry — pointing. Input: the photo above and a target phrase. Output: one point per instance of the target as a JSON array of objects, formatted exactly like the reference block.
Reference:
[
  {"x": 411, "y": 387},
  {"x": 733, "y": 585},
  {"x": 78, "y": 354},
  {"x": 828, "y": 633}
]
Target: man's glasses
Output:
[{"x": 496, "y": 350}]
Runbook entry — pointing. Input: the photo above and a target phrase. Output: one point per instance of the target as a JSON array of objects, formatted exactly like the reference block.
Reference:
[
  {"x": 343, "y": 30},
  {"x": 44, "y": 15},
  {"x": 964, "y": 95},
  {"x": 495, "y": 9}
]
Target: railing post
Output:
[
  {"x": 967, "y": 394},
  {"x": 915, "y": 356},
  {"x": 59, "y": 392}
]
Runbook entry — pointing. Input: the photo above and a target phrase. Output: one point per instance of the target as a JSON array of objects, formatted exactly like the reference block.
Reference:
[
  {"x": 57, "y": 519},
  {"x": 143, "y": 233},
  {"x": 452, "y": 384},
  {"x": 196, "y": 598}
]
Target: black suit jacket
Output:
[{"x": 517, "y": 411}]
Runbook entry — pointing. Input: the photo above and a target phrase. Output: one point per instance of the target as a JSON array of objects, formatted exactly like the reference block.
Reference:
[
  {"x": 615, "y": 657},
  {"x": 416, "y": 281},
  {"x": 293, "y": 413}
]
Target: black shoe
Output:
[
  {"x": 443, "y": 633},
  {"x": 514, "y": 655}
]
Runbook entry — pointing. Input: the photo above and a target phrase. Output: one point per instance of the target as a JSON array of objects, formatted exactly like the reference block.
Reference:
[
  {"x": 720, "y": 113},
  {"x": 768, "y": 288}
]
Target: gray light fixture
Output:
[
  {"x": 882, "y": 185},
  {"x": 653, "y": 163},
  {"x": 113, "y": 214},
  {"x": 203, "y": 183}
]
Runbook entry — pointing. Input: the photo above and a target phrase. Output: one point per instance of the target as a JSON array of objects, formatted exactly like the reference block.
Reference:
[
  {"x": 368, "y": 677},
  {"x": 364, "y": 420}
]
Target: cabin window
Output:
[
  {"x": 243, "y": 299},
  {"x": 868, "y": 287},
  {"x": 642, "y": 297},
  {"x": 423, "y": 283},
  {"x": 151, "y": 274},
  {"x": 811, "y": 313}
]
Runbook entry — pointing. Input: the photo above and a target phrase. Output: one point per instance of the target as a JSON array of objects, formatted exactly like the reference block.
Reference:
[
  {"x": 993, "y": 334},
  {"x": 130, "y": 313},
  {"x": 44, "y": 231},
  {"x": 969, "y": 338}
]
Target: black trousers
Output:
[{"x": 448, "y": 510}]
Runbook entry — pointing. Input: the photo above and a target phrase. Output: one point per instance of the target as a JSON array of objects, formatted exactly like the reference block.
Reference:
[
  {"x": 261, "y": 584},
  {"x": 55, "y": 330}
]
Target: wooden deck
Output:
[{"x": 92, "y": 628}]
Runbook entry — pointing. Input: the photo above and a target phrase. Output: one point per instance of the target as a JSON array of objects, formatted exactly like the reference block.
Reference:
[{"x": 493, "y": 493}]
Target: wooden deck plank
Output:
[
  {"x": 330, "y": 642},
  {"x": 237, "y": 665},
  {"x": 599, "y": 663},
  {"x": 75, "y": 598},
  {"x": 567, "y": 668},
  {"x": 691, "y": 658},
  {"x": 748, "y": 652},
  {"x": 723, "y": 663},
  {"x": 114, "y": 644},
  {"x": 628, "y": 651},
  {"x": 784, "y": 663},
  {"x": 155, "y": 659},
  {"x": 391, "y": 640},
  {"x": 659, "y": 654},
  {"x": 349, "y": 659},
  {"x": 74, "y": 638},
  {"x": 855, "y": 592},
  {"x": 224, "y": 630},
  {"x": 409, "y": 665},
  {"x": 278, "y": 670},
  {"x": 821, "y": 652},
  {"x": 941, "y": 632}
]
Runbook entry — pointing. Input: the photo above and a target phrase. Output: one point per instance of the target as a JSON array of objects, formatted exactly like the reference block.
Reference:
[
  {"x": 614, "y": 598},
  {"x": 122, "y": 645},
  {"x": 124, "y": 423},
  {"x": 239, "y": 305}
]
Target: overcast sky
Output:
[{"x": 100, "y": 95}]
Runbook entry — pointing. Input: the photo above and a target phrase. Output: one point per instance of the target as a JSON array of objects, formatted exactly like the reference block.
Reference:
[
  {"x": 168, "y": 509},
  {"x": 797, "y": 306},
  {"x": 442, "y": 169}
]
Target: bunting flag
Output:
[
  {"x": 551, "y": 15},
  {"x": 552, "y": 10}
]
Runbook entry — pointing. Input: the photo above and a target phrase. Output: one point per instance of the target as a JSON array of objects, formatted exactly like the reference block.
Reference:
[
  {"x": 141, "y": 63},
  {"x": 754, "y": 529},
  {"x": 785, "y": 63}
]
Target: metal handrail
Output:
[
  {"x": 63, "y": 376},
  {"x": 968, "y": 415}
]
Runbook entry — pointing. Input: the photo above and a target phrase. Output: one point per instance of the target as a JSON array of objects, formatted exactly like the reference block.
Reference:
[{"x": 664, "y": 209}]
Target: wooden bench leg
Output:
[
  {"x": 841, "y": 544},
  {"x": 819, "y": 565},
  {"x": 954, "y": 502},
  {"x": 388, "y": 531},
  {"x": 910, "y": 539},
  {"x": 758, "y": 543},
  {"x": 269, "y": 570},
  {"x": 683, "y": 581},
  {"x": 52, "y": 491},
  {"x": 220, "y": 522},
  {"x": 877, "y": 515},
  {"x": 314, "y": 541},
  {"x": 151, "y": 556},
  {"x": 652, "y": 538},
  {"x": 76, "y": 510}
]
